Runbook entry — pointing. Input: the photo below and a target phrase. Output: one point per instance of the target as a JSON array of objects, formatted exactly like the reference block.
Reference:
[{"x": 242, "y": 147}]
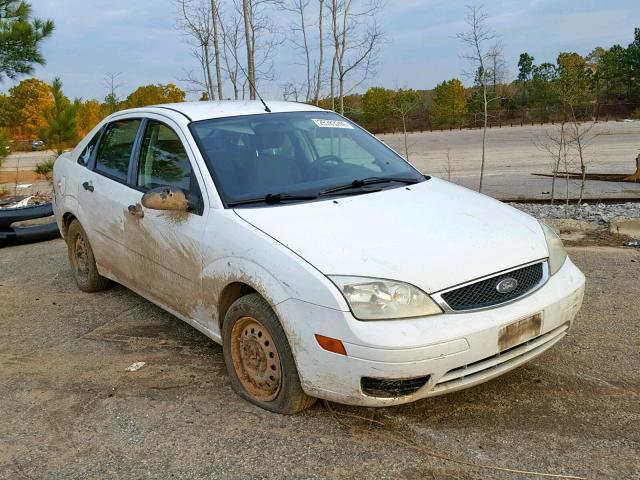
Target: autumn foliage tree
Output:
[
  {"x": 89, "y": 114},
  {"x": 25, "y": 108},
  {"x": 376, "y": 108},
  {"x": 449, "y": 104},
  {"x": 153, "y": 95}
]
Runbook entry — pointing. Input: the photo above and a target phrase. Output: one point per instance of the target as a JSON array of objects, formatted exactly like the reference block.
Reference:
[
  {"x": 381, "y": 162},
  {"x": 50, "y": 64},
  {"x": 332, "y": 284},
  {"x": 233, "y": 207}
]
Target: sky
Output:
[{"x": 140, "y": 39}]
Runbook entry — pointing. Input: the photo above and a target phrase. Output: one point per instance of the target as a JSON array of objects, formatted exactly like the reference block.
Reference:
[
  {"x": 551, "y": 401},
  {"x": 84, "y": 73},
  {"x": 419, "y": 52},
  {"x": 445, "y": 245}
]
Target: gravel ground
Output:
[
  {"x": 68, "y": 408},
  {"x": 599, "y": 213}
]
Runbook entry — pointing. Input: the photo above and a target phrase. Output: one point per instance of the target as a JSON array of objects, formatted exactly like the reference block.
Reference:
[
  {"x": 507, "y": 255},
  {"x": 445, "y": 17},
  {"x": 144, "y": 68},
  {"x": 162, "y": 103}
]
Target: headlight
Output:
[
  {"x": 377, "y": 299},
  {"x": 557, "y": 253}
]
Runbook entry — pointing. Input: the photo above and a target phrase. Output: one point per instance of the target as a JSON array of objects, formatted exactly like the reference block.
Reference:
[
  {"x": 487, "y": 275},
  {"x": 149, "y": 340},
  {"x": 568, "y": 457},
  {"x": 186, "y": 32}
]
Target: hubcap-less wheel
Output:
[
  {"x": 80, "y": 256},
  {"x": 255, "y": 359}
]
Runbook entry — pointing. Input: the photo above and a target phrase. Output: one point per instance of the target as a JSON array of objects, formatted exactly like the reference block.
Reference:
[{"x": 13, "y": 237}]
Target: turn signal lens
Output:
[{"x": 331, "y": 344}]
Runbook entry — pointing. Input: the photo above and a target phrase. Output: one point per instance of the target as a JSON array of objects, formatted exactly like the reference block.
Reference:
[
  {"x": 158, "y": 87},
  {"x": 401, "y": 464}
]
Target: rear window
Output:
[{"x": 114, "y": 153}]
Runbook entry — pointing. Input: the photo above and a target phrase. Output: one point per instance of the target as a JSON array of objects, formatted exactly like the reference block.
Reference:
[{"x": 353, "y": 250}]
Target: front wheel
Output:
[{"x": 259, "y": 359}]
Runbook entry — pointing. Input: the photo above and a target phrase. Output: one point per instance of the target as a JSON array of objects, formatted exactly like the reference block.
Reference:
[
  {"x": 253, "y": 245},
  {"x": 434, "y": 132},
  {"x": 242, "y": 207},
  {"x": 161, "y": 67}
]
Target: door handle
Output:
[
  {"x": 87, "y": 186},
  {"x": 136, "y": 210}
]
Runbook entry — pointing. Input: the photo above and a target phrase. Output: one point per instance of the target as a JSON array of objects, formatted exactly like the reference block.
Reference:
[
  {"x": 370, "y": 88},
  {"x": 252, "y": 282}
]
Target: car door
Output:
[
  {"x": 166, "y": 244},
  {"x": 103, "y": 195}
]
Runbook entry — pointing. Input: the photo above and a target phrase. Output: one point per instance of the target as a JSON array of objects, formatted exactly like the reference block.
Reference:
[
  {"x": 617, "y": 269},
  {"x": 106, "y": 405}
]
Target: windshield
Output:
[{"x": 293, "y": 154}]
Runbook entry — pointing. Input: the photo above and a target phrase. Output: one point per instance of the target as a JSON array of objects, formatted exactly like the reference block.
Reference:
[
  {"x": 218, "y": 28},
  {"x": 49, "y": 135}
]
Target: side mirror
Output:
[{"x": 172, "y": 199}]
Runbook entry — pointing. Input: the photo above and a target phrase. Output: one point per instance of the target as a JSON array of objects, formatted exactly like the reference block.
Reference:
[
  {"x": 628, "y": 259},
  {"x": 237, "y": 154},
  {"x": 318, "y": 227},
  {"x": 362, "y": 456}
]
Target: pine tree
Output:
[
  {"x": 60, "y": 120},
  {"x": 20, "y": 38}
]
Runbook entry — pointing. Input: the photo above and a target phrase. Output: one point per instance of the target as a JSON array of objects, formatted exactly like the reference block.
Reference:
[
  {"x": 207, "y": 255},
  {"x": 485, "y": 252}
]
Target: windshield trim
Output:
[{"x": 217, "y": 182}]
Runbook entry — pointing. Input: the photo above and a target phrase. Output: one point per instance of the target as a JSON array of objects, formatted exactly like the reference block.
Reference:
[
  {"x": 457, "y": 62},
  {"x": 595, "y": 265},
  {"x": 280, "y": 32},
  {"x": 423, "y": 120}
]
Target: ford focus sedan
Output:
[{"x": 324, "y": 264}]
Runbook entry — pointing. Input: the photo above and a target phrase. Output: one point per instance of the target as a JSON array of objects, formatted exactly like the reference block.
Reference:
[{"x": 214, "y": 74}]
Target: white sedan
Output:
[{"x": 325, "y": 264}]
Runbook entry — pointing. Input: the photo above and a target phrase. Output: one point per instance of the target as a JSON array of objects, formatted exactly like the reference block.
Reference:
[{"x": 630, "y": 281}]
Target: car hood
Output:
[{"x": 433, "y": 235}]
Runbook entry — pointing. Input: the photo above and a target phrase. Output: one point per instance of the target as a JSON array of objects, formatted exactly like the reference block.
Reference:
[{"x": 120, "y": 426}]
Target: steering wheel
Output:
[{"x": 322, "y": 163}]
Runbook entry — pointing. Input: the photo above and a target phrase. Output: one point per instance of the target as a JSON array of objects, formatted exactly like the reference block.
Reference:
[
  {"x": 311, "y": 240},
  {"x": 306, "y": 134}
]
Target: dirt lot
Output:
[{"x": 68, "y": 409}]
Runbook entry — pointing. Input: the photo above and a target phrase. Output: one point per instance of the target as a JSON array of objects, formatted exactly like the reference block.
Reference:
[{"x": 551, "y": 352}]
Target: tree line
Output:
[
  {"x": 34, "y": 109},
  {"x": 603, "y": 84},
  {"x": 336, "y": 43}
]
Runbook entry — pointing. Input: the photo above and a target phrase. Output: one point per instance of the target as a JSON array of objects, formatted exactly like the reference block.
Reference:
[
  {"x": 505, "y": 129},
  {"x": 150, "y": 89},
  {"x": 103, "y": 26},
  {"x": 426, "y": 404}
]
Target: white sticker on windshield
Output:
[{"x": 323, "y": 123}]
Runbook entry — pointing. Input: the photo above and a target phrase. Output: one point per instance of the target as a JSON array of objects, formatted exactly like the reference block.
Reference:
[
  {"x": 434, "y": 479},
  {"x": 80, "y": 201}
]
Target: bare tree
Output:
[
  {"x": 260, "y": 40},
  {"x": 196, "y": 21},
  {"x": 497, "y": 66},
  {"x": 476, "y": 39},
  {"x": 356, "y": 41},
  {"x": 403, "y": 103},
  {"x": 448, "y": 167},
  {"x": 320, "y": 64},
  {"x": 333, "y": 10},
  {"x": 567, "y": 145},
  {"x": 299, "y": 39},
  {"x": 291, "y": 92},
  {"x": 580, "y": 138},
  {"x": 111, "y": 81},
  {"x": 310, "y": 46},
  {"x": 232, "y": 43},
  {"x": 247, "y": 14},
  {"x": 554, "y": 143},
  {"x": 215, "y": 17}
]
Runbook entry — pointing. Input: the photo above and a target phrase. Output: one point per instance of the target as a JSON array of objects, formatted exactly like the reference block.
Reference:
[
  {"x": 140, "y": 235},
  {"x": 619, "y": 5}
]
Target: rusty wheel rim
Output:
[
  {"x": 80, "y": 256},
  {"x": 255, "y": 359}
]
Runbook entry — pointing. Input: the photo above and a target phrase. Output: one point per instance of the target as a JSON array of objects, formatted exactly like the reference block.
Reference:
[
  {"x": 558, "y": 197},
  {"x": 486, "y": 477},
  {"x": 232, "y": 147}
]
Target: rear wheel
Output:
[
  {"x": 259, "y": 358},
  {"x": 82, "y": 261}
]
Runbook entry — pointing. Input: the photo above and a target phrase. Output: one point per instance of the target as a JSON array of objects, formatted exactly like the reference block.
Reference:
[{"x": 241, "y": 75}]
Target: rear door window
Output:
[{"x": 114, "y": 153}]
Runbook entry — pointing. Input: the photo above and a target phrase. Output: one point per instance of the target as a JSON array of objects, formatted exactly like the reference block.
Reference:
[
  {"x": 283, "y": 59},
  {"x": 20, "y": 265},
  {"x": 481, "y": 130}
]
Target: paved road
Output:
[
  {"x": 69, "y": 410},
  {"x": 25, "y": 160},
  {"x": 512, "y": 156},
  {"x": 17, "y": 175}
]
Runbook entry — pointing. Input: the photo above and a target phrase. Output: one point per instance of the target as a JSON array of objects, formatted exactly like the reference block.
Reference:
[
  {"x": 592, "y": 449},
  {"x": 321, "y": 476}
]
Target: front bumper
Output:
[{"x": 456, "y": 350}]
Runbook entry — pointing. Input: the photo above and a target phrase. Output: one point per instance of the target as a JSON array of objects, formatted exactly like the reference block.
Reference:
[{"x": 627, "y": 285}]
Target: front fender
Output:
[{"x": 222, "y": 272}]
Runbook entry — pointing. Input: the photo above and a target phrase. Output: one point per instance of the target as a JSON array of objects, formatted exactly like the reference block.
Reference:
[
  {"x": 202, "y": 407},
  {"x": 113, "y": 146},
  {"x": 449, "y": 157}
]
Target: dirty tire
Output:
[
  {"x": 259, "y": 359},
  {"x": 82, "y": 261}
]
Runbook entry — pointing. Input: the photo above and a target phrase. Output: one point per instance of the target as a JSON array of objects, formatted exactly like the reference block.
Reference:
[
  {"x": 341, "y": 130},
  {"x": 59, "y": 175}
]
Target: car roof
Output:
[{"x": 196, "y": 111}]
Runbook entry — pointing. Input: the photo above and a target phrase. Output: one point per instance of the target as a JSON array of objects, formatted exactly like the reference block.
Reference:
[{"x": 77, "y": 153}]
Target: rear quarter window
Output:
[{"x": 85, "y": 156}]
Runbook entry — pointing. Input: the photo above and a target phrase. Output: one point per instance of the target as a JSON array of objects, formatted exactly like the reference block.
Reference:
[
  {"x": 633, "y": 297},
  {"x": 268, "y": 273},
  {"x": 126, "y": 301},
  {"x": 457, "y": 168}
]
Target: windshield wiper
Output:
[
  {"x": 271, "y": 198},
  {"x": 359, "y": 183}
]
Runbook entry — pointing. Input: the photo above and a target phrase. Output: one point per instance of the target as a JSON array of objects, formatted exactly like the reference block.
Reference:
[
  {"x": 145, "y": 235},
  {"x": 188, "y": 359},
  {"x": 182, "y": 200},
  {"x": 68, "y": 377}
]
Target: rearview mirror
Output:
[{"x": 167, "y": 198}]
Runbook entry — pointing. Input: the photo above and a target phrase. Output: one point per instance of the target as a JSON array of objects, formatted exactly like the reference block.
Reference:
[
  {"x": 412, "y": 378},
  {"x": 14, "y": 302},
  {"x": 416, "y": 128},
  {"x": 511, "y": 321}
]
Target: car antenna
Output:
[{"x": 224, "y": 39}]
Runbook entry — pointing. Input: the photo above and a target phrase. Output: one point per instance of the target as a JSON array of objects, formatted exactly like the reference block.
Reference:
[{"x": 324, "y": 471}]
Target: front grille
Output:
[
  {"x": 388, "y": 388},
  {"x": 485, "y": 293}
]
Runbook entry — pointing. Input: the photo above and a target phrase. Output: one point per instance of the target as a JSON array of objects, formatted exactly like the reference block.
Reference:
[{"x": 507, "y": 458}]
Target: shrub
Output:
[
  {"x": 4, "y": 146},
  {"x": 45, "y": 169}
]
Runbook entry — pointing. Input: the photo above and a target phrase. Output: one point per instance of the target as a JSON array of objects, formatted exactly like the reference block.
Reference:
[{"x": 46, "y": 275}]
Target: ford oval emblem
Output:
[{"x": 507, "y": 285}]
